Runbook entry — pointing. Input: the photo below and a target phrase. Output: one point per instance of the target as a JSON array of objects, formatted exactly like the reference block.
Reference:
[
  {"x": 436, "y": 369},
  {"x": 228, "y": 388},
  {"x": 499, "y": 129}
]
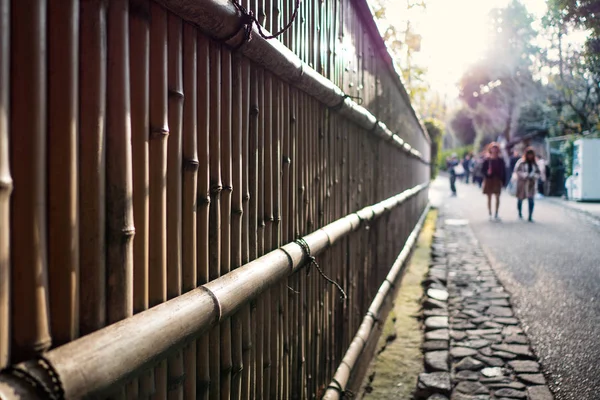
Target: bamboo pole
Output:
[
  {"x": 63, "y": 224},
  {"x": 253, "y": 217},
  {"x": 226, "y": 194},
  {"x": 260, "y": 233},
  {"x": 139, "y": 42},
  {"x": 216, "y": 187},
  {"x": 175, "y": 371},
  {"x": 92, "y": 166},
  {"x": 5, "y": 186},
  {"x": 203, "y": 366},
  {"x": 30, "y": 332},
  {"x": 246, "y": 158},
  {"x": 189, "y": 190},
  {"x": 237, "y": 119},
  {"x": 159, "y": 131},
  {"x": 139, "y": 39},
  {"x": 268, "y": 226}
]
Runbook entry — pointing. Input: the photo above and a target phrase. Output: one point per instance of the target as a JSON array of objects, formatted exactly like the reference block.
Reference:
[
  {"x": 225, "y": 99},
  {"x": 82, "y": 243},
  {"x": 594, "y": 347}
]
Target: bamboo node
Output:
[
  {"x": 53, "y": 391},
  {"x": 175, "y": 382},
  {"x": 174, "y": 93},
  {"x": 191, "y": 165},
  {"x": 204, "y": 200},
  {"x": 227, "y": 189},
  {"x": 156, "y": 132}
]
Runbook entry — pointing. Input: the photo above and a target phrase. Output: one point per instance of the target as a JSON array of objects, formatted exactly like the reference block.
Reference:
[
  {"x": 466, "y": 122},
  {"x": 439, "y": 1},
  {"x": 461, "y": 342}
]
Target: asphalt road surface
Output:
[{"x": 552, "y": 269}]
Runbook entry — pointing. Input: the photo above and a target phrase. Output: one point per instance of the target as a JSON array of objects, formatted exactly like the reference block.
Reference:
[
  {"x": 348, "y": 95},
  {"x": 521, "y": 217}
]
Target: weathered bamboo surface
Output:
[{"x": 146, "y": 160}]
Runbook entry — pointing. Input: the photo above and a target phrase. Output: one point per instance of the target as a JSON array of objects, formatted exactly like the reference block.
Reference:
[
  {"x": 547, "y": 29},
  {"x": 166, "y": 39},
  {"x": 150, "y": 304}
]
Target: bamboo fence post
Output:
[
  {"x": 175, "y": 371},
  {"x": 245, "y": 159},
  {"x": 5, "y": 185},
  {"x": 236, "y": 220},
  {"x": 189, "y": 259},
  {"x": 226, "y": 194},
  {"x": 30, "y": 331},
  {"x": 295, "y": 353},
  {"x": 203, "y": 91},
  {"x": 63, "y": 224},
  {"x": 92, "y": 166},
  {"x": 268, "y": 225},
  {"x": 215, "y": 211},
  {"x": 159, "y": 132}
]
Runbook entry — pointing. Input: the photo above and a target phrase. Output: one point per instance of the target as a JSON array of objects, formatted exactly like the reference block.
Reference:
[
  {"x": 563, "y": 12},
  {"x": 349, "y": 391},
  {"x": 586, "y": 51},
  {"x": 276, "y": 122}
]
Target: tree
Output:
[
  {"x": 495, "y": 88},
  {"x": 436, "y": 130},
  {"x": 463, "y": 127}
]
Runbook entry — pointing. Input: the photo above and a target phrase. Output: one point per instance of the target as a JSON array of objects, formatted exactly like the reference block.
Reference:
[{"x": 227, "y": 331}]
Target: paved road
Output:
[{"x": 552, "y": 270}]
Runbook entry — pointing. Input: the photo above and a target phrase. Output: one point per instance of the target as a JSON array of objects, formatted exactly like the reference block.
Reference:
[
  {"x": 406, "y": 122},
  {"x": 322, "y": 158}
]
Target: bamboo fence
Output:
[{"x": 173, "y": 194}]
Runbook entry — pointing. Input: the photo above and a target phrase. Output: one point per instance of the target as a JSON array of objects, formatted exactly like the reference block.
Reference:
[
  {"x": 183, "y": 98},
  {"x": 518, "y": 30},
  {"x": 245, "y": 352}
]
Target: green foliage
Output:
[
  {"x": 461, "y": 152},
  {"x": 436, "y": 130},
  {"x": 567, "y": 149}
]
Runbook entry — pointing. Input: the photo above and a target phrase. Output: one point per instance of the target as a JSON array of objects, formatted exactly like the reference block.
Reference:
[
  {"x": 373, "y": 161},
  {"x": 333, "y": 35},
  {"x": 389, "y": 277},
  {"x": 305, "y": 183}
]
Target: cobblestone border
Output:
[{"x": 474, "y": 347}]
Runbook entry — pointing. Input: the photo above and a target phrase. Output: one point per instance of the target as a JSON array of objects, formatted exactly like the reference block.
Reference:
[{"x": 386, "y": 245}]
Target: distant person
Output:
[
  {"x": 541, "y": 183},
  {"x": 527, "y": 173},
  {"x": 467, "y": 167},
  {"x": 494, "y": 170},
  {"x": 451, "y": 163},
  {"x": 514, "y": 158},
  {"x": 478, "y": 171}
]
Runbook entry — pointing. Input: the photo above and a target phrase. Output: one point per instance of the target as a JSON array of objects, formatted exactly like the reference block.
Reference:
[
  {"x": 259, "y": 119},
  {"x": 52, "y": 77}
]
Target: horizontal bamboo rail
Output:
[
  {"x": 343, "y": 374},
  {"x": 221, "y": 19},
  {"x": 94, "y": 365}
]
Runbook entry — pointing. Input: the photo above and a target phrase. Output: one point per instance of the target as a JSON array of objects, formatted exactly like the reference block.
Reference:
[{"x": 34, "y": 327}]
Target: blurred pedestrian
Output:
[
  {"x": 494, "y": 170},
  {"x": 451, "y": 163},
  {"x": 527, "y": 173},
  {"x": 478, "y": 171},
  {"x": 467, "y": 167}
]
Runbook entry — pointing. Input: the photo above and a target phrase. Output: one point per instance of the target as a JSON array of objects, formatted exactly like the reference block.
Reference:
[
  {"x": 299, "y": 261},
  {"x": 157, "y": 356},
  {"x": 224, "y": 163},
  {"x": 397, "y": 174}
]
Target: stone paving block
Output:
[
  {"x": 458, "y": 335},
  {"x": 432, "y": 304},
  {"x": 469, "y": 363},
  {"x": 536, "y": 379},
  {"x": 436, "y": 361},
  {"x": 467, "y": 375},
  {"x": 492, "y": 372},
  {"x": 437, "y": 396},
  {"x": 539, "y": 393},
  {"x": 432, "y": 323},
  {"x": 506, "y": 385},
  {"x": 439, "y": 334},
  {"x": 518, "y": 349},
  {"x": 511, "y": 393},
  {"x": 506, "y": 320},
  {"x": 471, "y": 387},
  {"x": 437, "y": 294},
  {"x": 432, "y": 383},
  {"x": 460, "y": 352},
  {"x": 500, "y": 311},
  {"x": 430, "y": 345},
  {"x": 524, "y": 366},
  {"x": 490, "y": 361}
]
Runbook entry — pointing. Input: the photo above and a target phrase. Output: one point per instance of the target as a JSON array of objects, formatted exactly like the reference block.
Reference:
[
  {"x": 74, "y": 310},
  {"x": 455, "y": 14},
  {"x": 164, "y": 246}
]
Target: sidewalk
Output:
[
  {"x": 589, "y": 209},
  {"x": 475, "y": 347}
]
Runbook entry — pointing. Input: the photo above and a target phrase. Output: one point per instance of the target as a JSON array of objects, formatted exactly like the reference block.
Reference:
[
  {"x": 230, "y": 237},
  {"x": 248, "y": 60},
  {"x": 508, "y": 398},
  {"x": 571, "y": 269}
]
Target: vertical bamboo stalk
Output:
[
  {"x": 285, "y": 236},
  {"x": 189, "y": 257},
  {"x": 63, "y": 224},
  {"x": 236, "y": 220},
  {"x": 29, "y": 297},
  {"x": 216, "y": 187},
  {"x": 226, "y": 194},
  {"x": 119, "y": 186},
  {"x": 92, "y": 164},
  {"x": 245, "y": 158},
  {"x": 139, "y": 39},
  {"x": 159, "y": 131},
  {"x": 175, "y": 372},
  {"x": 268, "y": 226},
  {"x": 260, "y": 245},
  {"x": 203, "y": 91},
  {"x": 5, "y": 185},
  {"x": 139, "y": 43}
]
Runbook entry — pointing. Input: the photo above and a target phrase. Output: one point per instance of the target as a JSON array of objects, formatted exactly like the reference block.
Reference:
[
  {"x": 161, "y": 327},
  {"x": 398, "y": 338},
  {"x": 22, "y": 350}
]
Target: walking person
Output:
[
  {"x": 467, "y": 166},
  {"x": 527, "y": 174},
  {"x": 494, "y": 170},
  {"x": 451, "y": 163}
]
